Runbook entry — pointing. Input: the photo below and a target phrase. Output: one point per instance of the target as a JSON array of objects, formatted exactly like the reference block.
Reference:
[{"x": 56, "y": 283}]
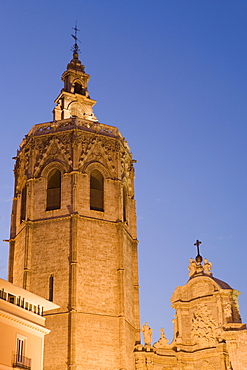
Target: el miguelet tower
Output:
[{"x": 73, "y": 231}]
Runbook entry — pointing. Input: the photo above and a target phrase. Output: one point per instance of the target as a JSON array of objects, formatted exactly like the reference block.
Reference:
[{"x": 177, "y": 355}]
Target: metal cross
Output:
[
  {"x": 197, "y": 244},
  {"x": 75, "y": 48},
  {"x": 75, "y": 29}
]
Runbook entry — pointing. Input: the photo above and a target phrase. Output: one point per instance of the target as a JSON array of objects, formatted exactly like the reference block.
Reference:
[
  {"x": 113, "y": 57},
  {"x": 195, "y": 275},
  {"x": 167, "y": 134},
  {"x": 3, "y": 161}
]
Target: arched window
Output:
[
  {"x": 124, "y": 204},
  {"x": 96, "y": 191},
  {"x": 53, "y": 190},
  {"x": 51, "y": 286},
  {"x": 78, "y": 89},
  {"x": 23, "y": 204}
]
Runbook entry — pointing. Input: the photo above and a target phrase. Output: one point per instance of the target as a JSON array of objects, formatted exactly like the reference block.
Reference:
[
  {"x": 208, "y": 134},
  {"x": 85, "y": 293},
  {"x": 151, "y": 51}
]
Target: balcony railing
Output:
[
  {"x": 21, "y": 302},
  {"x": 21, "y": 362}
]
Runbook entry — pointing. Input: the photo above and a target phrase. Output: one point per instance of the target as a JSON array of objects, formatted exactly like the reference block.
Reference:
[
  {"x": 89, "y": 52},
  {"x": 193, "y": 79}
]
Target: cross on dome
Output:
[{"x": 197, "y": 244}]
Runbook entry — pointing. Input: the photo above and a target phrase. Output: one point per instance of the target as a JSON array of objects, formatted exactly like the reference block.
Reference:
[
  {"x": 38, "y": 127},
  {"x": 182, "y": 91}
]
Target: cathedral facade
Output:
[
  {"x": 73, "y": 241},
  {"x": 208, "y": 330}
]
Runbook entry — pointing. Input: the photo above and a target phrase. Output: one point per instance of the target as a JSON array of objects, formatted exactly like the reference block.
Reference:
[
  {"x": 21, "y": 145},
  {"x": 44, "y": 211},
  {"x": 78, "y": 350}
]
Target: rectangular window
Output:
[
  {"x": 20, "y": 350},
  {"x": 23, "y": 204},
  {"x": 11, "y": 298},
  {"x": 20, "y": 360},
  {"x": 51, "y": 286},
  {"x": 3, "y": 294}
]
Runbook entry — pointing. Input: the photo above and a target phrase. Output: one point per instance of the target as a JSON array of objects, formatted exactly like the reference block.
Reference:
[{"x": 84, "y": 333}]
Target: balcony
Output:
[{"x": 21, "y": 362}]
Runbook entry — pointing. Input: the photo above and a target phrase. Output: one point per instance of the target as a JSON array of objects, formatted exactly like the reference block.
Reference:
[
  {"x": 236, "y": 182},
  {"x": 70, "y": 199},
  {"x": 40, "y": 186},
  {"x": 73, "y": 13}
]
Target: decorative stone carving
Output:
[
  {"x": 67, "y": 140},
  {"x": 126, "y": 163},
  {"x": 78, "y": 109},
  {"x": 235, "y": 308},
  {"x": 53, "y": 150},
  {"x": 195, "y": 267},
  {"x": 192, "y": 267},
  {"x": 147, "y": 334},
  {"x": 140, "y": 363},
  {"x": 228, "y": 312},
  {"x": 163, "y": 341},
  {"x": 207, "y": 267},
  {"x": 110, "y": 150},
  {"x": 204, "y": 327},
  {"x": 101, "y": 150},
  {"x": 22, "y": 172},
  {"x": 149, "y": 364},
  {"x": 96, "y": 156},
  {"x": 86, "y": 144}
]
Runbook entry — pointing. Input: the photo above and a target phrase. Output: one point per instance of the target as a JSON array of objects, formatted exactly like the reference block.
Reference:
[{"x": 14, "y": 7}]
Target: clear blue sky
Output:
[{"x": 171, "y": 75}]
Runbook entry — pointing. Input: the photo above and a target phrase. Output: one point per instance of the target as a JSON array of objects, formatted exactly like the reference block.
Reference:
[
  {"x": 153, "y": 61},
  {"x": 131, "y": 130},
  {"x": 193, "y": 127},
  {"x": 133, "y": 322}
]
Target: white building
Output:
[{"x": 22, "y": 327}]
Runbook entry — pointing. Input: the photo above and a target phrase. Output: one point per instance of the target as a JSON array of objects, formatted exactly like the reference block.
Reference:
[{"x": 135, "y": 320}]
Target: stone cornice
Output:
[{"x": 6, "y": 316}]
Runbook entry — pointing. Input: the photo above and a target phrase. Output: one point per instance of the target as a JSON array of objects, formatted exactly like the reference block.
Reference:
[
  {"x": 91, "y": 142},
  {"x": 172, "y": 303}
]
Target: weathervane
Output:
[{"x": 75, "y": 47}]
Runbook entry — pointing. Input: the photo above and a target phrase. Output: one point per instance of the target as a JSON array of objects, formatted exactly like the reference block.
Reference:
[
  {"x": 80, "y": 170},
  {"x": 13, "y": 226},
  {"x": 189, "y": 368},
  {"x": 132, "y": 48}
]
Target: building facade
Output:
[{"x": 22, "y": 327}]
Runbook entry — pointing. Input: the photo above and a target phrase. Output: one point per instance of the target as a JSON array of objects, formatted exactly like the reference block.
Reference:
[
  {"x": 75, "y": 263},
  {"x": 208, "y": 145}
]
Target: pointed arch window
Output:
[
  {"x": 23, "y": 204},
  {"x": 96, "y": 191},
  {"x": 53, "y": 190}
]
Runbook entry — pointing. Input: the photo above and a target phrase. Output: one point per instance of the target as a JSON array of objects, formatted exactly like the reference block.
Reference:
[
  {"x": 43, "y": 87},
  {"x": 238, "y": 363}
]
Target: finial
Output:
[
  {"x": 198, "y": 257},
  {"x": 195, "y": 267},
  {"x": 75, "y": 47}
]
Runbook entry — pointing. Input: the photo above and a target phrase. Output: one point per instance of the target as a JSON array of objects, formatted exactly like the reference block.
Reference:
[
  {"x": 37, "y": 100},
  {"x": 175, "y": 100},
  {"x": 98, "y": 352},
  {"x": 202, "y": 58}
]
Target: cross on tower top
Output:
[{"x": 75, "y": 47}]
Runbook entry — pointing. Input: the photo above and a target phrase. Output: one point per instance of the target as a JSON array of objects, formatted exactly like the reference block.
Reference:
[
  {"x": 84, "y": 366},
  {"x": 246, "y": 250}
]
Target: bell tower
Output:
[
  {"x": 73, "y": 232},
  {"x": 74, "y": 100}
]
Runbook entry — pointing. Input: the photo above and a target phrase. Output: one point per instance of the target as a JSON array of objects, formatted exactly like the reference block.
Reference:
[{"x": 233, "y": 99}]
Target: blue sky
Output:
[{"x": 171, "y": 75}]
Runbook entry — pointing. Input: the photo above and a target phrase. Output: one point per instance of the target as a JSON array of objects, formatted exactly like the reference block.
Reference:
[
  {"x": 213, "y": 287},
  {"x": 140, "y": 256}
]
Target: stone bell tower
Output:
[{"x": 73, "y": 232}]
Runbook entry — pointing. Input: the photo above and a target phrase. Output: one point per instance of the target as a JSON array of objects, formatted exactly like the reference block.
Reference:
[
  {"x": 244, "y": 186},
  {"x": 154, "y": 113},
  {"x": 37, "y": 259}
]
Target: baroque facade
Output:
[
  {"x": 208, "y": 331},
  {"x": 73, "y": 241}
]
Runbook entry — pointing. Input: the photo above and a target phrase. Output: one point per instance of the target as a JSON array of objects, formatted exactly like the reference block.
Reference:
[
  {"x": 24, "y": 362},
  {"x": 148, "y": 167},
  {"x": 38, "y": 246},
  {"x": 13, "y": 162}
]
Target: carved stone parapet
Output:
[{"x": 72, "y": 123}]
